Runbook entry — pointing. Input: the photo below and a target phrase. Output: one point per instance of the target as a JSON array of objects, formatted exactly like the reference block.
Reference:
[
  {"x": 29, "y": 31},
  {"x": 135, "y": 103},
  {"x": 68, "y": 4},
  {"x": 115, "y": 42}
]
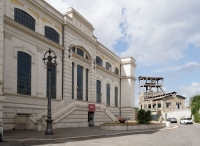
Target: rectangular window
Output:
[
  {"x": 168, "y": 104},
  {"x": 108, "y": 95},
  {"x": 159, "y": 105},
  {"x": 72, "y": 80},
  {"x": 116, "y": 96},
  {"x": 86, "y": 85},
  {"x": 23, "y": 73},
  {"x": 98, "y": 90},
  {"x": 79, "y": 82}
]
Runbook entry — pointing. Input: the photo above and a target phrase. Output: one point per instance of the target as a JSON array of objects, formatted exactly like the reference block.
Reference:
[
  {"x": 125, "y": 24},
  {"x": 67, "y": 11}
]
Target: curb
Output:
[{"x": 91, "y": 136}]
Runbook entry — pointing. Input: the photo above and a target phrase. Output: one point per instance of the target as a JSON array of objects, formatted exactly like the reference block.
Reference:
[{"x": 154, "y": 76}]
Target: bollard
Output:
[{"x": 168, "y": 124}]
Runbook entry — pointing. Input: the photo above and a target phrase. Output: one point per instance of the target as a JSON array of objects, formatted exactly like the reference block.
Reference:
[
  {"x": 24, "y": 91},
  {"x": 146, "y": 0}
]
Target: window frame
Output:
[
  {"x": 99, "y": 61},
  {"x": 51, "y": 34},
  {"x": 108, "y": 94},
  {"x": 98, "y": 91},
  {"x": 24, "y": 69},
  {"x": 24, "y": 18}
]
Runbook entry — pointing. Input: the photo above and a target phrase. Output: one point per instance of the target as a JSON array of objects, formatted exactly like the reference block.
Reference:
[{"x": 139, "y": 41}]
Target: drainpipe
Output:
[
  {"x": 62, "y": 58},
  {"x": 120, "y": 93}
]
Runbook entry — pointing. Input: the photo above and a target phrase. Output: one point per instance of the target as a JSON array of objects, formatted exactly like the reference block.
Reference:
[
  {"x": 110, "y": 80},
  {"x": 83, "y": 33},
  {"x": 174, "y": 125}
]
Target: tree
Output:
[
  {"x": 144, "y": 117},
  {"x": 195, "y": 107}
]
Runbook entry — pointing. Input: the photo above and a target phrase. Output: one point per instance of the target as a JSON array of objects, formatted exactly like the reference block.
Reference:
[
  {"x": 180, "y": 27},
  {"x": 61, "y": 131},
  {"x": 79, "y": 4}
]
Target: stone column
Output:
[
  {"x": 75, "y": 81},
  {"x": 84, "y": 84}
]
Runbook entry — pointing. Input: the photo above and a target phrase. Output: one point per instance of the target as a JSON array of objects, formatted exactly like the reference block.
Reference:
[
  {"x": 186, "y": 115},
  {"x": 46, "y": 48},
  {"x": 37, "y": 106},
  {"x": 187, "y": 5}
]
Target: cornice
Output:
[
  {"x": 81, "y": 33},
  {"x": 32, "y": 33},
  {"x": 128, "y": 77},
  {"x": 129, "y": 62},
  {"x": 107, "y": 71},
  {"x": 71, "y": 10},
  {"x": 47, "y": 11}
]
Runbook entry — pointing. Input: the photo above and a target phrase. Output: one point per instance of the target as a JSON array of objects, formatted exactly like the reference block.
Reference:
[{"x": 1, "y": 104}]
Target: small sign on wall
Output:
[{"x": 91, "y": 107}]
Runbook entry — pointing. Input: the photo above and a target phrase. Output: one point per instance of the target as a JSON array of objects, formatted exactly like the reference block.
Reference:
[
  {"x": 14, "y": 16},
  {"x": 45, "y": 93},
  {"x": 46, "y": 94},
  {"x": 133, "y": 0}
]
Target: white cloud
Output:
[
  {"x": 188, "y": 67},
  {"x": 189, "y": 91},
  {"x": 156, "y": 31}
]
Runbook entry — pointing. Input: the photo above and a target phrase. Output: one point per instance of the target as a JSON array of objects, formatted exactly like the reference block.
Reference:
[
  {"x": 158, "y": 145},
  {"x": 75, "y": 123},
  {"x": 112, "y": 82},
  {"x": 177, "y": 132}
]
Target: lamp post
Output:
[{"x": 48, "y": 62}]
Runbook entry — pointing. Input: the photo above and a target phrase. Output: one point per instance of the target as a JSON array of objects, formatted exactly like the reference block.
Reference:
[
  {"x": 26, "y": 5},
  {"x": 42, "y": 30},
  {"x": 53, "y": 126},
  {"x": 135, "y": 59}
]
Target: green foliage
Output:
[
  {"x": 195, "y": 107},
  {"x": 197, "y": 118},
  {"x": 144, "y": 117}
]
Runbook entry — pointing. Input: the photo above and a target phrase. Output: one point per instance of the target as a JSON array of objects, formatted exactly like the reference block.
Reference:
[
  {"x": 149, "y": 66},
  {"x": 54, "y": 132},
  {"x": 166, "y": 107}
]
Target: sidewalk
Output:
[{"x": 69, "y": 133}]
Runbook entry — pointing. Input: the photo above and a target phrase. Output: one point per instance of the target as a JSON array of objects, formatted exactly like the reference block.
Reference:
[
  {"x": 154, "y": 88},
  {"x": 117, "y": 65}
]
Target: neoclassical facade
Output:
[{"x": 90, "y": 84}]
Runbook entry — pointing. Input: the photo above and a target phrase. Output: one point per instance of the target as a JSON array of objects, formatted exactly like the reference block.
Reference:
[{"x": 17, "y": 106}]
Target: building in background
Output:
[
  {"x": 152, "y": 97},
  {"x": 90, "y": 84}
]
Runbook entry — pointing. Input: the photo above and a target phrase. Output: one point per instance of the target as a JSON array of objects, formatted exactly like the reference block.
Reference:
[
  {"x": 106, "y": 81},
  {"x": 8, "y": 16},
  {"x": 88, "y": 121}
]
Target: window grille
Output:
[
  {"x": 51, "y": 34},
  {"x": 116, "y": 71},
  {"x": 72, "y": 80},
  {"x": 98, "y": 61},
  {"x": 108, "y": 94},
  {"x": 108, "y": 66},
  {"x": 87, "y": 84},
  {"x": 24, "y": 19},
  {"x": 116, "y": 96},
  {"x": 79, "y": 82},
  {"x": 23, "y": 73},
  {"x": 98, "y": 90},
  {"x": 80, "y": 52}
]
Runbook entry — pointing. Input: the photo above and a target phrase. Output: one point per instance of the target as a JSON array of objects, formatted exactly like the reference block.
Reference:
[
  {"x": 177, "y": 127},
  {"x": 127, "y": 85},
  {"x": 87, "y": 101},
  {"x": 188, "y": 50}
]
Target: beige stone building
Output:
[
  {"x": 87, "y": 73},
  {"x": 152, "y": 96}
]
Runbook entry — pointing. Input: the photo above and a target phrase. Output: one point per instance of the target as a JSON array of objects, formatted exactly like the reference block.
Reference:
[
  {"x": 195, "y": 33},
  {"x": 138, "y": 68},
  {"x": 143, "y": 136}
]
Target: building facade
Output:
[
  {"x": 152, "y": 96},
  {"x": 87, "y": 73}
]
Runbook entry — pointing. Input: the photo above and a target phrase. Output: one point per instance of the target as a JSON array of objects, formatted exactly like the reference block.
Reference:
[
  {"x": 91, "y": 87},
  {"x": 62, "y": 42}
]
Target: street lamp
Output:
[{"x": 49, "y": 64}]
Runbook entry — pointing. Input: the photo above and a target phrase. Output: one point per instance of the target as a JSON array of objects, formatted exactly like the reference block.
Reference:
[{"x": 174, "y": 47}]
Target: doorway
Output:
[{"x": 91, "y": 118}]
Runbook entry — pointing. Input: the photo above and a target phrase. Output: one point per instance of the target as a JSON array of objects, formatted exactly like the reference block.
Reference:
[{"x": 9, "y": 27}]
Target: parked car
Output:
[
  {"x": 172, "y": 120},
  {"x": 186, "y": 120}
]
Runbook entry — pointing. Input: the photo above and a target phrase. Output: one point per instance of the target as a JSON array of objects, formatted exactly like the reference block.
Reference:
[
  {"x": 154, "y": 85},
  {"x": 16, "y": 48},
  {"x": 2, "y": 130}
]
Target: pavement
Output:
[{"x": 69, "y": 134}]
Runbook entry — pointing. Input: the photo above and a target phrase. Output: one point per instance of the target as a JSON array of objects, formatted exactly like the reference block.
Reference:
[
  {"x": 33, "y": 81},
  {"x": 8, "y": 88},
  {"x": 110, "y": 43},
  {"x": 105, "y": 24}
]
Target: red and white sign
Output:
[{"x": 91, "y": 107}]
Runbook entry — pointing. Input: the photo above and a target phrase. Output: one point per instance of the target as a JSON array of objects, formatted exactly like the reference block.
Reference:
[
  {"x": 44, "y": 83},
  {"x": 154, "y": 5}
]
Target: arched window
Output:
[
  {"x": 80, "y": 52},
  {"x": 23, "y": 73},
  {"x": 98, "y": 61},
  {"x": 80, "y": 82},
  {"x": 98, "y": 90},
  {"x": 116, "y": 96},
  {"x": 108, "y": 94},
  {"x": 24, "y": 19},
  {"x": 51, "y": 34},
  {"x": 116, "y": 71},
  {"x": 72, "y": 80},
  {"x": 108, "y": 66},
  {"x": 53, "y": 82}
]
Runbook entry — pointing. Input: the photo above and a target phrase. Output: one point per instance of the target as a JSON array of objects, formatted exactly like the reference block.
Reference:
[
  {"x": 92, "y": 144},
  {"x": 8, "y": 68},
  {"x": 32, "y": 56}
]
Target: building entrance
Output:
[{"x": 91, "y": 118}]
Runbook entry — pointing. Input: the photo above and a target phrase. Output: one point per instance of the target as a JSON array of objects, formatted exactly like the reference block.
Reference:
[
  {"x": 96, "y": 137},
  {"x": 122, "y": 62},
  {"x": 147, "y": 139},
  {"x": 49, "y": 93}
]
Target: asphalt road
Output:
[{"x": 185, "y": 135}]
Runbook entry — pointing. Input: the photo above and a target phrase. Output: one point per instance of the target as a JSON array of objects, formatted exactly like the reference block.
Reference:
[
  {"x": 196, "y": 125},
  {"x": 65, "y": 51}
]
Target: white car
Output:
[{"x": 186, "y": 120}]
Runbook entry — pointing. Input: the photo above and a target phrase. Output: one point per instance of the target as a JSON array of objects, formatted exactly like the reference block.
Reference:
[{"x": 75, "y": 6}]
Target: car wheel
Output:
[
  {"x": 184, "y": 123},
  {"x": 1, "y": 138}
]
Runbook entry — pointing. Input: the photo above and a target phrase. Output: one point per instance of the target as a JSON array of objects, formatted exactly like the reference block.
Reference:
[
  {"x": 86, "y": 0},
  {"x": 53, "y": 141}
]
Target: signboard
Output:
[{"x": 91, "y": 107}]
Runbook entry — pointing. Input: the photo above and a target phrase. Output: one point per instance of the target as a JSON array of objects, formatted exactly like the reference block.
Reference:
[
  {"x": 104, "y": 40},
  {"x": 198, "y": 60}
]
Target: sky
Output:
[{"x": 162, "y": 36}]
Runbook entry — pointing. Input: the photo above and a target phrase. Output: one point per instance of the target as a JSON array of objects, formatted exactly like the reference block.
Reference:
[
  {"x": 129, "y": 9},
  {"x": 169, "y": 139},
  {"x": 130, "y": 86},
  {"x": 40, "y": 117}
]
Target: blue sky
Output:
[{"x": 163, "y": 37}]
